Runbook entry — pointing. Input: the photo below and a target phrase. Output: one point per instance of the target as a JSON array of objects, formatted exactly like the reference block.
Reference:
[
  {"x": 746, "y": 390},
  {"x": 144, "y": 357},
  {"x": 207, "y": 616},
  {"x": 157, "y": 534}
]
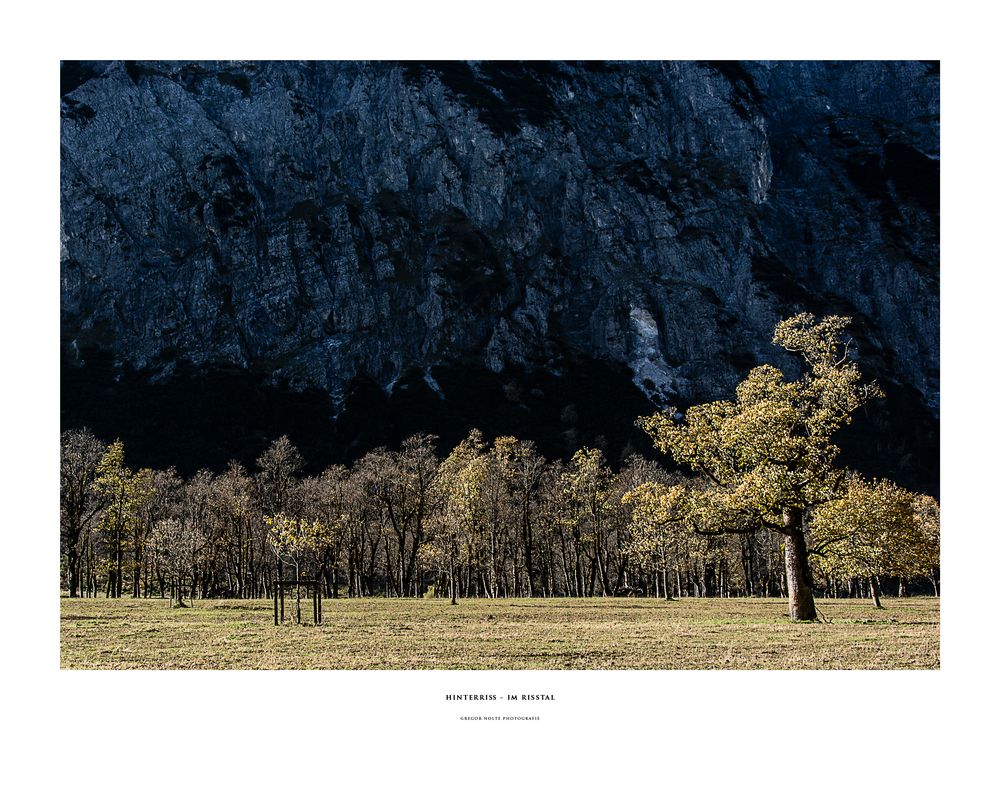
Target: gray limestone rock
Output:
[{"x": 316, "y": 221}]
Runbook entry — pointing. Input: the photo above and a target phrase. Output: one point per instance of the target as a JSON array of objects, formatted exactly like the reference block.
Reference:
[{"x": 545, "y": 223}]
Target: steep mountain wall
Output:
[{"x": 344, "y": 225}]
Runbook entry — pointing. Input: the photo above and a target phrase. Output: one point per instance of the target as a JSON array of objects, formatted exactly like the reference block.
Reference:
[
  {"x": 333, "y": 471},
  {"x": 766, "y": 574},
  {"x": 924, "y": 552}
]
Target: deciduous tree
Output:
[
  {"x": 927, "y": 558},
  {"x": 869, "y": 531},
  {"x": 80, "y": 454},
  {"x": 660, "y": 526},
  {"x": 587, "y": 483},
  {"x": 520, "y": 466},
  {"x": 769, "y": 454},
  {"x": 124, "y": 494},
  {"x": 461, "y": 478}
]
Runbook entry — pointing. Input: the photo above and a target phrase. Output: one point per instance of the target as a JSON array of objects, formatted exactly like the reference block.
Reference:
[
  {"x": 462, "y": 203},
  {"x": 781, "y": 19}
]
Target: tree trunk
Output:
[
  {"x": 451, "y": 580},
  {"x": 876, "y": 594},
  {"x": 579, "y": 568},
  {"x": 799, "y": 578},
  {"x": 526, "y": 537},
  {"x": 602, "y": 569},
  {"x": 136, "y": 565},
  {"x": 119, "y": 563},
  {"x": 298, "y": 597},
  {"x": 74, "y": 570}
]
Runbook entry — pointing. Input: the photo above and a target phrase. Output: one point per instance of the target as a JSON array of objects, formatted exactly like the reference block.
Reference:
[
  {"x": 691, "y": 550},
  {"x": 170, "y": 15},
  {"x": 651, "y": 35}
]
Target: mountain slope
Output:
[{"x": 432, "y": 244}]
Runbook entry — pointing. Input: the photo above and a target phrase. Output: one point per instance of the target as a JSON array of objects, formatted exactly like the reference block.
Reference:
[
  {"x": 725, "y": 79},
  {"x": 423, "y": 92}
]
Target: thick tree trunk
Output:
[{"x": 799, "y": 578}]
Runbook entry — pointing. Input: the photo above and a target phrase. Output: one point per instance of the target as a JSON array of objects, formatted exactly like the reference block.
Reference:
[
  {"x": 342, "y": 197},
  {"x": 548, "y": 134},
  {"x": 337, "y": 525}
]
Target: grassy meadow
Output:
[{"x": 568, "y": 633}]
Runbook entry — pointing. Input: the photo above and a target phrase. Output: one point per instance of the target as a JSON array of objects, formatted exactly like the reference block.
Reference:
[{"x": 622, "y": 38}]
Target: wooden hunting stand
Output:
[{"x": 279, "y": 599}]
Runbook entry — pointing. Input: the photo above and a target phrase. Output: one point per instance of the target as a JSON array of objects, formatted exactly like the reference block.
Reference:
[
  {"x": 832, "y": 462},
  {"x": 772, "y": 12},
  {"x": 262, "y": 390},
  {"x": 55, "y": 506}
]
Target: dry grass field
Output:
[{"x": 568, "y": 633}]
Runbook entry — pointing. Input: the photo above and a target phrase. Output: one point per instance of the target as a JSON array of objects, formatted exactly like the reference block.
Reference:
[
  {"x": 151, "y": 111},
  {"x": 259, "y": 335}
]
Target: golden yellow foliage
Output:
[
  {"x": 870, "y": 530},
  {"x": 771, "y": 449},
  {"x": 292, "y": 538}
]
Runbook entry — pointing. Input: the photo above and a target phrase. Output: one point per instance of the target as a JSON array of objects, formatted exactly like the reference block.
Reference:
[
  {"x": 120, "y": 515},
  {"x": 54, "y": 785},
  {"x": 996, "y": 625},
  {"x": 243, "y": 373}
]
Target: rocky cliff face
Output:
[{"x": 329, "y": 225}]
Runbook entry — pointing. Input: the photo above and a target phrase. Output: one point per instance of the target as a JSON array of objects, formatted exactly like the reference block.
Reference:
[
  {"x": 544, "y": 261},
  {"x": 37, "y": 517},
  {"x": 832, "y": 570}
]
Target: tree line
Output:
[{"x": 760, "y": 510}]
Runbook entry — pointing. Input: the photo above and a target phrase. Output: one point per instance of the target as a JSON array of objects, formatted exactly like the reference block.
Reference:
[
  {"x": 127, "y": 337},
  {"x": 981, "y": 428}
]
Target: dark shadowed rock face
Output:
[{"x": 328, "y": 225}]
